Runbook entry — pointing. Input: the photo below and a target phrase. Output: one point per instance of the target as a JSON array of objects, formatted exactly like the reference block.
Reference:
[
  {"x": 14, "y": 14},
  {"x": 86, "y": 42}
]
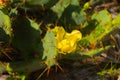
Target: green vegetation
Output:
[{"x": 42, "y": 32}]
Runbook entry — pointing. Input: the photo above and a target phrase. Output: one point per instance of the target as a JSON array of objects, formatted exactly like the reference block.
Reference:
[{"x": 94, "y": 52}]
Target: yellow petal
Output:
[
  {"x": 74, "y": 34},
  {"x": 65, "y": 47},
  {"x": 60, "y": 34}
]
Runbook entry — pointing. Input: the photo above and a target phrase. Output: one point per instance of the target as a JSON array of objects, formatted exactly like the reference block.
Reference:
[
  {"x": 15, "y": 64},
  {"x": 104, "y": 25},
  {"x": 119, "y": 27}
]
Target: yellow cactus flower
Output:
[
  {"x": 66, "y": 42},
  {"x": 65, "y": 47},
  {"x": 60, "y": 34},
  {"x": 74, "y": 36}
]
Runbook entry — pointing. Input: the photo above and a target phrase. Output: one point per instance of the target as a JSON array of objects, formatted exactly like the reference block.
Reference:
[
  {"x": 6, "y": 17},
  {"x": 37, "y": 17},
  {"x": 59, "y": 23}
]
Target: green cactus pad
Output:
[
  {"x": 34, "y": 4},
  {"x": 5, "y": 23},
  {"x": 49, "y": 45},
  {"x": 26, "y": 36}
]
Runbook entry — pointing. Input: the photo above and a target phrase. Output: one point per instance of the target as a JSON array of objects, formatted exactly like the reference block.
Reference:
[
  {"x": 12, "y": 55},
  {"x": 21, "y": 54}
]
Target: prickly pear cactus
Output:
[
  {"x": 62, "y": 4},
  {"x": 5, "y": 27},
  {"x": 26, "y": 36},
  {"x": 50, "y": 52},
  {"x": 33, "y": 4},
  {"x": 101, "y": 27},
  {"x": 5, "y": 23},
  {"x": 69, "y": 13},
  {"x": 116, "y": 21},
  {"x": 58, "y": 41}
]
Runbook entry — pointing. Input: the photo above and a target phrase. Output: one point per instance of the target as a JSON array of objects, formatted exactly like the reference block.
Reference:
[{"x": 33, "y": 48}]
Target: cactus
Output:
[
  {"x": 5, "y": 27},
  {"x": 82, "y": 55},
  {"x": 33, "y": 4},
  {"x": 30, "y": 42},
  {"x": 5, "y": 23},
  {"x": 100, "y": 28},
  {"x": 69, "y": 13},
  {"x": 36, "y": 64},
  {"x": 50, "y": 52},
  {"x": 116, "y": 21},
  {"x": 57, "y": 43}
]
